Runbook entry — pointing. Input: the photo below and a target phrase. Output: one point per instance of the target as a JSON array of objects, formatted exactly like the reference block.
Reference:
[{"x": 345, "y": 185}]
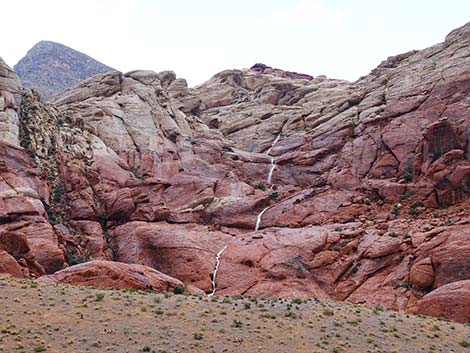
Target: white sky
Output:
[{"x": 198, "y": 38}]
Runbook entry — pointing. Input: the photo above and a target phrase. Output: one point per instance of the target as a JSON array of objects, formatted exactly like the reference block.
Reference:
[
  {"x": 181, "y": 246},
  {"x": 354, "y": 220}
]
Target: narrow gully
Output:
[
  {"x": 269, "y": 179},
  {"x": 258, "y": 219},
  {"x": 214, "y": 275},
  {"x": 273, "y": 161}
]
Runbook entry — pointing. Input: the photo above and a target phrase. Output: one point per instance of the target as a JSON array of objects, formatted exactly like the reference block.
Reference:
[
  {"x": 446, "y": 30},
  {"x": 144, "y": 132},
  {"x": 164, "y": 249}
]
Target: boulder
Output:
[
  {"x": 108, "y": 274},
  {"x": 451, "y": 301}
]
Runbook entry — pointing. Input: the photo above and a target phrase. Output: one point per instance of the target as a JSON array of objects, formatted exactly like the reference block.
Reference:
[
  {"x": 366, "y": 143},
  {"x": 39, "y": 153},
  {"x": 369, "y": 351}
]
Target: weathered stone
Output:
[
  {"x": 366, "y": 199},
  {"x": 108, "y": 274},
  {"x": 451, "y": 301},
  {"x": 422, "y": 274}
]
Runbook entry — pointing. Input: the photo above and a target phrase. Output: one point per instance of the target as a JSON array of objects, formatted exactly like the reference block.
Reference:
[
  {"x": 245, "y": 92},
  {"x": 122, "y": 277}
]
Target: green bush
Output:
[
  {"x": 178, "y": 290},
  {"x": 356, "y": 267},
  {"x": 73, "y": 258},
  {"x": 198, "y": 336},
  {"x": 39, "y": 348},
  {"x": 101, "y": 218},
  {"x": 57, "y": 193},
  {"x": 408, "y": 176},
  {"x": 260, "y": 186},
  {"x": 465, "y": 343},
  {"x": 52, "y": 216}
]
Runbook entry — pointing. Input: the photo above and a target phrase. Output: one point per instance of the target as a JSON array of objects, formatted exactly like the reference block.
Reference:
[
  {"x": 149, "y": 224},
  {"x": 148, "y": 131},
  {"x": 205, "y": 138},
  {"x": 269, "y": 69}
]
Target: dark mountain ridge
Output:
[{"x": 51, "y": 67}]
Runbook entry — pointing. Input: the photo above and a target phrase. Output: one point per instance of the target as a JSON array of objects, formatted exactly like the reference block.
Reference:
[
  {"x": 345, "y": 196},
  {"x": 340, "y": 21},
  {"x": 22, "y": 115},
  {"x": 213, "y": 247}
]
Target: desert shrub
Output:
[
  {"x": 39, "y": 348},
  {"x": 101, "y": 218},
  {"x": 74, "y": 258},
  {"x": 465, "y": 343},
  {"x": 417, "y": 204},
  {"x": 198, "y": 336},
  {"x": 274, "y": 195},
  {"x": 57, "y": 193},
  {"x": 179, "y": 290},
  {"x": 356, "y": 267},
  {"x": 260, "y": 186},
  {"x": 52, "y": 216},
  {"x": 408, "y": 176}
]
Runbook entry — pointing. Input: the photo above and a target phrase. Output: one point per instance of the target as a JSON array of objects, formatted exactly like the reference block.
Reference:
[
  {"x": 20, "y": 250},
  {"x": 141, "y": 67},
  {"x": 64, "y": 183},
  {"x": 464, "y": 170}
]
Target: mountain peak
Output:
[{"x": 50, "y": 67}]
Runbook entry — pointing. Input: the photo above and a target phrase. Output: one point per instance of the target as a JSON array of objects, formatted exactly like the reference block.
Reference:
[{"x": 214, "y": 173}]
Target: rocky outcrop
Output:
[
  {"x": 449, "y": 301},
  {"x": 25, "y": 232},
  {"x": 51, "y": 67},
  {"x": 265, "y": 69},
  {"x": 10, "y": 98},
  {"x": 23, "y": 216},
  {"x": 367, "y": 200},
  {"x": 186, "y": 251},
  {"x": 107, "y": 274}
]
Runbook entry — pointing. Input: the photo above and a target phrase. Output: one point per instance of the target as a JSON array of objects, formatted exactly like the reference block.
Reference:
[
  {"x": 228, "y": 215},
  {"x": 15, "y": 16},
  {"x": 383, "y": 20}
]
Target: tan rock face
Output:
[
  {"x": 367, "y": 201},
  {"x": 10, "y": 98}
]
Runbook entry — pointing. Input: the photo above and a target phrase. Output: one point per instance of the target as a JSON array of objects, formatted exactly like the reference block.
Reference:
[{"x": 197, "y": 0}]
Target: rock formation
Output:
[
  {"x": 367, "y": 201},
  {"x": 51, "y": 67},
  {"x": 117, "y": 275}
]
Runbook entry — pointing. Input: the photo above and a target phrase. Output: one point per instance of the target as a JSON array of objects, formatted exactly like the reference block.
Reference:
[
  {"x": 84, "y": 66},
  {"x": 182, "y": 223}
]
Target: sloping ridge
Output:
[{"x": 51, "y": 67}]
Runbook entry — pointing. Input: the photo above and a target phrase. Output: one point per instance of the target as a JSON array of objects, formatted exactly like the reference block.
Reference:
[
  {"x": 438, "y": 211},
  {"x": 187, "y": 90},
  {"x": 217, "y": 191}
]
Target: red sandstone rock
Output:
[
  {"x": 171, "y": 175},
  {"x": 422, "y": 274},
  {"x": 186, "y": 250},
  {"x": 8, "y": 265},
  {"x": 16, "y": 245},
  {"x": 89, "y": 240},
  {"x": 108, "y": 274},
  {"x": 451, "y": 301},
  {"x": 449, "y": 250}
]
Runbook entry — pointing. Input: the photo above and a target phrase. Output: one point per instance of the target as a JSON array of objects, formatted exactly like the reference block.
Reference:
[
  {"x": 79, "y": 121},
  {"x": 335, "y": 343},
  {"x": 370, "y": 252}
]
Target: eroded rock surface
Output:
[
  {"x": 25, "y": 231},
  {"x": 109, "y": 274},
  {"x": 367, "y": 201},
  {"x": 10, "y": 98},
  {"x": 449, "y": 301}
]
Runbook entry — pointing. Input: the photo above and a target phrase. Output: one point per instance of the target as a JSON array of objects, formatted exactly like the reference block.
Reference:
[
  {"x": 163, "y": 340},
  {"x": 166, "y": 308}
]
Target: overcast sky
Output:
[{"x": 198, "y": 38}]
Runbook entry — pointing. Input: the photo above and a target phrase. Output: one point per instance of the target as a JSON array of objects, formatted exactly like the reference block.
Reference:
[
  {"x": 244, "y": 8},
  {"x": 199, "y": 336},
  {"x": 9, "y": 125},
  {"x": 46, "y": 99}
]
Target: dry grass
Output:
[{"x": 39, "y": 317}]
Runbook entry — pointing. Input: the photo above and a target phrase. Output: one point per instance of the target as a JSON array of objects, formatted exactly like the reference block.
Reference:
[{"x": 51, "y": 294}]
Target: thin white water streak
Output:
[
  {"x": 272, "y": 145},
  {"x": 214, "y": 275},
  {"x": 271, "y": 170},
  {"x": 270, "y": 177},
  {"x": 273, "y": 161},
  {"x": 258, "y": 220}
]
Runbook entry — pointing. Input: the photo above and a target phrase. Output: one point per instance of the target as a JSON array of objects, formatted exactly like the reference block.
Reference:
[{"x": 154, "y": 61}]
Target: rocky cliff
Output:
[
  {"x": 51, "y": 67},
  {"x": 287, "y": 185}
]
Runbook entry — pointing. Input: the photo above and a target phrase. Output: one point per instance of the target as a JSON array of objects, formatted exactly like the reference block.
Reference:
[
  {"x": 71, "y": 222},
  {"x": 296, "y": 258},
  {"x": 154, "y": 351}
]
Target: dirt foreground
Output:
[{"x": 40, "y": 317}]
